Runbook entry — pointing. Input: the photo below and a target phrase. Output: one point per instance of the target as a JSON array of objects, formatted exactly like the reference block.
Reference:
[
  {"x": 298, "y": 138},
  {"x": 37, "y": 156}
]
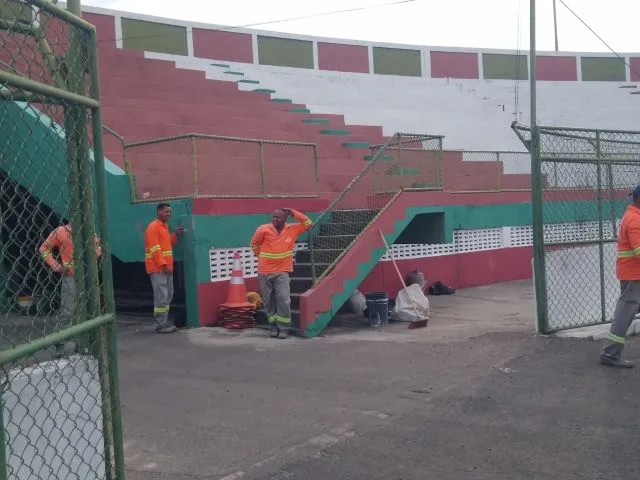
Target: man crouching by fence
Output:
[
  {"x": 61, "y": 239},
  {"x": 158, "y": 262},
  {"x": 273, "y": 243}
]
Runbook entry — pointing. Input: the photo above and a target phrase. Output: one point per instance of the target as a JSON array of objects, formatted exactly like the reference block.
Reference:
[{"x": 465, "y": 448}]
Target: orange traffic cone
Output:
[
  {"x": 236, "y": 312},
  {"x": 237, "y": 296}
]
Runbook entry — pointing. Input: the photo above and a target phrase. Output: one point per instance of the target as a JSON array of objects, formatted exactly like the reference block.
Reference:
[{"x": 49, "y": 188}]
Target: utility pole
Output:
[{"x": 555, "y": 24}]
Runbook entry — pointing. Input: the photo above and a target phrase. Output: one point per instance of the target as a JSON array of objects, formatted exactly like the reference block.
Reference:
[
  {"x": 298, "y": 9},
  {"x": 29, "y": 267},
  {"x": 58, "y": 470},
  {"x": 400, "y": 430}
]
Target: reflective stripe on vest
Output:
[
  {"x": 628, "y": 253},
  {"x": 276, "y": 255}
]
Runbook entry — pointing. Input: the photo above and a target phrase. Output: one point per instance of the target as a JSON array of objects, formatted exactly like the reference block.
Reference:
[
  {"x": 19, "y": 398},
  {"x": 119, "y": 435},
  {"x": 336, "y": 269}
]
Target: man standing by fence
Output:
[
  {"x": 61, "y": 239},
  {"x": 273, "y": 243},
  {"x": 628, "y": 272},
  {"x": 158, "y": 261}
]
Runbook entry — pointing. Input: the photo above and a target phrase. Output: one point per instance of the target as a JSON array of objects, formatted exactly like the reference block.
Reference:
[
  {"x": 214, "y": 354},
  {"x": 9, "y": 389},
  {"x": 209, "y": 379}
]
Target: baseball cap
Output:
[{"x": 636, "y": 192}]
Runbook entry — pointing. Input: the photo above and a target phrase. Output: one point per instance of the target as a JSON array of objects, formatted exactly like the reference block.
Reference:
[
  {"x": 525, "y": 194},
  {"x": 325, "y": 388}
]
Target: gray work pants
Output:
[
  {"x": 67, "y": 300},
  {"x": 276, "y": 298},
  {"x": 626, "y": 309},
  {"x": 162, "y": 284}
]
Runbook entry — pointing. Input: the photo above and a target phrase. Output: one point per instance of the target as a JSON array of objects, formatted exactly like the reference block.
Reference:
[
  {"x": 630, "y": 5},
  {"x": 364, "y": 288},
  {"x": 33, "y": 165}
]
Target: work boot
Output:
[
  {"x": 283, "y": 331},
  {"x": 166, "y": 329},
  {"x": 618, "y": 363},
  {"x": 274, "y": 331}
]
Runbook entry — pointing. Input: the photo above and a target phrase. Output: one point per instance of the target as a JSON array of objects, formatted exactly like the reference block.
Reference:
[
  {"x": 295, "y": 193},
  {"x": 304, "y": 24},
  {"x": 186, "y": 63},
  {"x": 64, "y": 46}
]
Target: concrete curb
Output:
[{"x": 598, "y": 332}]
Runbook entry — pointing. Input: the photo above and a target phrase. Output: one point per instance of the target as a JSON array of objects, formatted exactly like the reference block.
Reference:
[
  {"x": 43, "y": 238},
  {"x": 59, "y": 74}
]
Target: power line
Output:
[
  {"x": 598, "y": 37},
  {"x": 271, "y": 22}
]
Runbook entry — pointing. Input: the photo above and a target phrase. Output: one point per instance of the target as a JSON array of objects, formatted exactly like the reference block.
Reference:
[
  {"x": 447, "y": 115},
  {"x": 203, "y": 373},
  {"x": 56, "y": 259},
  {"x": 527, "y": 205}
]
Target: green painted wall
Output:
[
  {"x": 603, "y": 69},
  {"x": 38, "y": 163},
  {"x": 284, "y": 52},
  {"x": 227, "y": 231},
  {"x": 504, "y": 67},
  {"x": 154, "y": 37},
  {"x": 397, "y": 61}
]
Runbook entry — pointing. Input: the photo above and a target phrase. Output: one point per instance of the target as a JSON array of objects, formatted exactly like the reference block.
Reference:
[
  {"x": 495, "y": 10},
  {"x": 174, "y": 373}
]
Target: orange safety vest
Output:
[
  {"x": 61, "y": 239},
  {"x": 158, "y": 247},
  {"x": 628, "y": 249},
  {"x": 275, "y": 250}
]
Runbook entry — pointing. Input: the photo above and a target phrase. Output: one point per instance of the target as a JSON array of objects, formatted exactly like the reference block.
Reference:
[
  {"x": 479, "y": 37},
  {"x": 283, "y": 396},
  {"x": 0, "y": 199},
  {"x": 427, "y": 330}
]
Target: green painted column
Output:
[{"x": 190, "y": 263}]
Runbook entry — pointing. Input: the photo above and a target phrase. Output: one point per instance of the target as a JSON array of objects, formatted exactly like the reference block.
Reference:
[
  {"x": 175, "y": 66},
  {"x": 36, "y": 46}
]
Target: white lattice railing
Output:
[{"x": 464, "y": 241}]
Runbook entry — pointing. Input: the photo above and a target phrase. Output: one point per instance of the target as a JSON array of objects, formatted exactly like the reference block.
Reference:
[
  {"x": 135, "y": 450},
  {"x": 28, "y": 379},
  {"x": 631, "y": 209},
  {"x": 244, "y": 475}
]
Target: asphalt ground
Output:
[{"x": 474, "y": 395}]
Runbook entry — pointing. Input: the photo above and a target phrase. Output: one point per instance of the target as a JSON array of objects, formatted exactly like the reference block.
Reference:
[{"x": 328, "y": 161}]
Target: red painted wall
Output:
[
  {"x": 105, "y": 28},
  {"x": 454, "y": 65},
  {"x": 343, "y": 58},
  {"x": 557, "y": 68},
  {"x": 219, "y": 45},
  {"x": 458, "y": 271},
  {"x": 635, "y": 69},
  {"x": 208, "y": 206}
]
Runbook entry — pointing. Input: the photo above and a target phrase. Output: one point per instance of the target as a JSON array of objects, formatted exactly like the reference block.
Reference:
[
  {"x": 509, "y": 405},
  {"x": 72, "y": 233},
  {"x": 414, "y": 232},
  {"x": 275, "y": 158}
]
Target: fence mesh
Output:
[
  {"x": 216, "y": 166},
  {"x": 406, "y": 161},
  {"x": 58, "y": 372},
  {"x": 583, "y": 191}
]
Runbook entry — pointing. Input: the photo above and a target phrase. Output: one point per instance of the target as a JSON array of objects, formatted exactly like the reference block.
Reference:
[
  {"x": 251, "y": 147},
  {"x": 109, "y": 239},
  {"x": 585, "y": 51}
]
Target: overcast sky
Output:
[{"x": 458, "y": 23}]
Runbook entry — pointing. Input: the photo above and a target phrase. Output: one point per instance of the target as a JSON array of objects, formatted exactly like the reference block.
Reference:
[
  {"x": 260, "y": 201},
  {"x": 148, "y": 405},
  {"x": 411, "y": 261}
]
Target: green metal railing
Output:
[
  {"x": 57, "y": 332},
  {"x": 214, "y": 166}
]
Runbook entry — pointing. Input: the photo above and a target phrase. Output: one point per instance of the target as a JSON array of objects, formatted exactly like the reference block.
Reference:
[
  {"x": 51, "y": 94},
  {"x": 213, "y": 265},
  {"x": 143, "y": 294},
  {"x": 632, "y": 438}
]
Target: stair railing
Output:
[{"x": 405, "y": 161}]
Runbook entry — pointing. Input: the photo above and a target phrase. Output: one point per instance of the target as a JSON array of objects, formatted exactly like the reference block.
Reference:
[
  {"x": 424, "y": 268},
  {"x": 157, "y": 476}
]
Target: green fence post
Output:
[
  {"x": 537, "y": 200},
  {"x": 603, "y": 312},
  {"x": 110, "y": 377}
]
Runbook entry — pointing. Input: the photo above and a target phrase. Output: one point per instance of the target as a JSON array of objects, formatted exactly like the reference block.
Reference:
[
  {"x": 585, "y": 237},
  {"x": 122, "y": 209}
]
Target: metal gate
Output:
[
  {"x": 581, "y": 180},
  {"x": 60, "y": 415}
]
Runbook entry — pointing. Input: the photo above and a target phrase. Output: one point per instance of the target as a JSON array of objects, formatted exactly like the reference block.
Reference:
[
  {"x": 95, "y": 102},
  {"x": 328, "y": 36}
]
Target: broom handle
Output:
[
  {"x": 392, "y": 259},
  {"x": 404, "y": 285}
]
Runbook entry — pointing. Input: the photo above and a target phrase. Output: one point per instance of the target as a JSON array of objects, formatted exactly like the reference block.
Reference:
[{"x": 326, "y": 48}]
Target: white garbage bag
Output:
[{"x": 411, "y": 305}]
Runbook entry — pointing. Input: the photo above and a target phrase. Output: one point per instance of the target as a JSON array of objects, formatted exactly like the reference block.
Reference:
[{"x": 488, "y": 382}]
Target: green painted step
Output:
[
  {"x": 224, "y": 65},
  {"x": 264, "y": 90},
  {"x": 282, "y": 100},
  {"x": 300, "y": 110},
  {"x": 246, "y": 80},
  {"x": 333, "y": 131},
  {"x": 316, "y": 121},
  {"x": 231, "y": 72},
  {"x": 402, "y": 171},
  {"x": 425, "y": 185},
  {"x": 356, "y": 145},
  {"x": 381, "y": 158}
]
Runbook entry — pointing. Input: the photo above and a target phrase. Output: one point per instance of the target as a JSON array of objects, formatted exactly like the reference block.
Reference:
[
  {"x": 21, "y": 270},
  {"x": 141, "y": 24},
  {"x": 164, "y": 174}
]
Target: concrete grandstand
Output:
[{"x": 330, "y": 102}]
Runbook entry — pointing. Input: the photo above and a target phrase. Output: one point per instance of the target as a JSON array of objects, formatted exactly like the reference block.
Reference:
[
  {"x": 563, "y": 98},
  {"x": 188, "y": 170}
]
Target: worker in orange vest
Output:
[
  {"x": 158, "y": 262},
  {"x": 61, "y": 239},
  {"x": 273, "y": 244},
  {"x": 628, "y": 272}
]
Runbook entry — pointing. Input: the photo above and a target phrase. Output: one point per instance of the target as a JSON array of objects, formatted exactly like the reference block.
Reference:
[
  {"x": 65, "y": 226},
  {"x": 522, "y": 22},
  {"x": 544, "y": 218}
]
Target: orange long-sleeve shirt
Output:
[
  {"x": 62, "y": 239},
  {"x": 158, "y": 247},
  {"x": 275, "y": 250},
  {"x": 628, "y": 249}
]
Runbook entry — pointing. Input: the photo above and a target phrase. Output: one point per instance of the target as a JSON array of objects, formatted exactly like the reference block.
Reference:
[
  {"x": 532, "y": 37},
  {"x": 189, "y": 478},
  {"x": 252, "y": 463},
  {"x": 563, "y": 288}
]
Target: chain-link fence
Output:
[
  {"x": 581, "y": 184},
  {"x": 213, "y": 166},
  {"x": 59, "y": 415},
  {"x": 405, "y": 162}
]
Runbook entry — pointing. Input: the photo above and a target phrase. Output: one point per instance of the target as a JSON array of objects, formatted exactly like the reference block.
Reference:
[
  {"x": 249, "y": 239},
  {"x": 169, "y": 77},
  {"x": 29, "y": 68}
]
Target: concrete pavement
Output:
[{"x": 475, "y": 395}]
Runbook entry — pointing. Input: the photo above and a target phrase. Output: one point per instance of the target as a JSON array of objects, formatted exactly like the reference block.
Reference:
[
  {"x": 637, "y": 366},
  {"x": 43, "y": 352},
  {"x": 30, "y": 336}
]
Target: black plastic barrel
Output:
[{"x": 378, "y": 308}]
